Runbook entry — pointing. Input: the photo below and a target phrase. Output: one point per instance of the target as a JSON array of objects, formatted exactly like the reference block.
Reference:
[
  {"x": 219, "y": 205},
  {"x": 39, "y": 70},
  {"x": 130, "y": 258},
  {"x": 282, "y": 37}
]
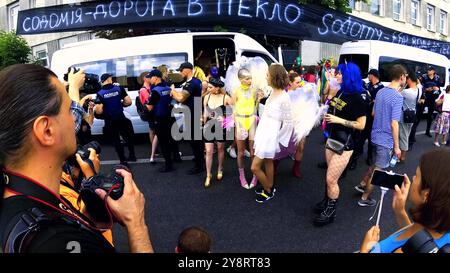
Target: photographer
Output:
[
  {"x": 37, "y": 135},
  {"x": 430, "y": 199},
  {"x": 71, "y": 180},
  {"x": 112, "y": 99},
  {"x": 82, "y": 109}
]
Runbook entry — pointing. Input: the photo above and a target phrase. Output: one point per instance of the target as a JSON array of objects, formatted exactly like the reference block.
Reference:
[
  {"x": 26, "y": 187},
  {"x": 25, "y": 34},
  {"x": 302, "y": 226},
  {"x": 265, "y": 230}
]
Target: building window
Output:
[
  {"x": 375, "y": 7},
  {"x": 42, "y": 57},
  {"x": 13, "y": 13},
  {"x": 430, "y": 17},
  {"x": 351, "y": 4},
  {"x": 397, "y": 9},
  {"x": 443, "y": 23},
  {"x": 415, "y": 12},
  {"x": 37, "y": 4}
]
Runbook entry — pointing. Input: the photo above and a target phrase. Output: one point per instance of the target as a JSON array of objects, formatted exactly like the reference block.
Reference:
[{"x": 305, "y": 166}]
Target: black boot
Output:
[
  {"x": 319, "y": 207},
  {"x": 327, "y": 215}
]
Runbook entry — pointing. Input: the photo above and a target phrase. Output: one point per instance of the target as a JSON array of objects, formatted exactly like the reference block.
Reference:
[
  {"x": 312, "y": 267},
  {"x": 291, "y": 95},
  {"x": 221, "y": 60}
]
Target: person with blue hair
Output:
[{"x": 345, "y": 114}]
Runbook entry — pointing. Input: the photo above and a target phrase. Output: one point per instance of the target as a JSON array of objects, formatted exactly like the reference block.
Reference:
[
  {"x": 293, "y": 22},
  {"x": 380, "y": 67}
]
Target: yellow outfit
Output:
[
  {"x": 245, "y": 107},
  {"x": 199, "y": 74},
  {"x": 71, "y": 195}
]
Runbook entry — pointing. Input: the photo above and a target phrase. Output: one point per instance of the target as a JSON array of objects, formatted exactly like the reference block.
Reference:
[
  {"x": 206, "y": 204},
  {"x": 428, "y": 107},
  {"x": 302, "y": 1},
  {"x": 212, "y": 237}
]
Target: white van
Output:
[
  {"x": 127, "y": 59},
  {"x": 383, "y": 55}
]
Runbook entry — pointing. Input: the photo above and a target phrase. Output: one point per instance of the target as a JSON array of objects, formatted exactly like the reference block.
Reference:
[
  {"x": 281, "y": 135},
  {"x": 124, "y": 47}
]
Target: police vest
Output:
[
  {"x": 162, "y": 108},
  {"x": 112, "y": 102}
]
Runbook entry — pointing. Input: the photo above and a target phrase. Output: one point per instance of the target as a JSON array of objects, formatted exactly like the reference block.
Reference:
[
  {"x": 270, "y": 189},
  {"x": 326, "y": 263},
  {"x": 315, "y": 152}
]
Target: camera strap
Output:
[{"x": 24, "y": 186}]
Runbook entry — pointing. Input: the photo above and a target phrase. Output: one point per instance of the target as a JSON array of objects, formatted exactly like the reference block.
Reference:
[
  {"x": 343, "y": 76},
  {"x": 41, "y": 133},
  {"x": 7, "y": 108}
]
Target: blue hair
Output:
[{"x": 351, "y": 78}]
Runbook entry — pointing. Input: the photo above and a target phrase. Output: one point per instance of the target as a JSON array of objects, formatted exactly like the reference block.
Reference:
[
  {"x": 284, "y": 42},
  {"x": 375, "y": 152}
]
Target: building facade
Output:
[{"x": 425, "y": 18}]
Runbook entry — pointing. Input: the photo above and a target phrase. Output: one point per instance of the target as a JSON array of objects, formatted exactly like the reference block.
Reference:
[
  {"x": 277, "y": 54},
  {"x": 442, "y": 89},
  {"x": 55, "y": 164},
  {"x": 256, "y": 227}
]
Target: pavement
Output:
[{"x": 236, "y": 223}]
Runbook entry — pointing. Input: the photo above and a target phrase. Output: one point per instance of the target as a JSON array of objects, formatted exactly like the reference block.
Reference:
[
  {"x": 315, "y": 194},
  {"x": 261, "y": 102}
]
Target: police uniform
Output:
[
  {"x": 116, "y": 124},
  {"x": 160, "y": 99},
  {"x": 369, "y": 96},
  {"x": 194, "y": 88},
  {"x": 430, "y": 99}
]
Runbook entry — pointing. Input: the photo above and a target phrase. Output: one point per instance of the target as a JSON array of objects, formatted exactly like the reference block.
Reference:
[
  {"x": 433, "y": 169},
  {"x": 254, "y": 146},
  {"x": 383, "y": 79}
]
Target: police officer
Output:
[
  {"x": 430, "y": 92},
  {"x": 112, "y": 99},
  {"x": 159, "y": 104},
  {"x": 191, "y": 89},
  {"x": 373, "y": 86}
]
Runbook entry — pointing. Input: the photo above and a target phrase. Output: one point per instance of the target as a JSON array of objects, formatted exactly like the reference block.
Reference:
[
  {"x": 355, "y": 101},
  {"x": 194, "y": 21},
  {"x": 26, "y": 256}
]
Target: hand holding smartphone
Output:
[{"x": 387, "y": 179}]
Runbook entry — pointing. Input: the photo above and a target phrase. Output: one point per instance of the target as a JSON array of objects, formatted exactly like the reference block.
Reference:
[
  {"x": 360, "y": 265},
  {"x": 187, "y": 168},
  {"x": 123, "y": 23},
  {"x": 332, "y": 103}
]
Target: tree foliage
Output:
[{"x": 13, "y": 49}]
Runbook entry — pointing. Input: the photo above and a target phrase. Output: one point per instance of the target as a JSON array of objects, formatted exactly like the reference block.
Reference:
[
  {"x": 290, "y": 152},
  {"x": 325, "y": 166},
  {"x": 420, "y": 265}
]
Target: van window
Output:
[
  {"x": 251, "y": 54},
  {"x": 126, "y": 71},
  {"x": 420, "y": 68},
  {"x": 361, "y": 60}
]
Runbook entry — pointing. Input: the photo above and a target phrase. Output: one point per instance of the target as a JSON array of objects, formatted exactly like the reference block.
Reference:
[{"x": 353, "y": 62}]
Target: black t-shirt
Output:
[
  {"x": 55, "y": 238},
  {"x": 349, "y": 107},
  {"x": 194, "y": 88}
]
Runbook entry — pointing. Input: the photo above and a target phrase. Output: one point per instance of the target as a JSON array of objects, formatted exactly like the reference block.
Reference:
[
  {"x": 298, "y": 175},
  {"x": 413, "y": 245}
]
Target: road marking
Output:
[{"x": 143, "y": 160}]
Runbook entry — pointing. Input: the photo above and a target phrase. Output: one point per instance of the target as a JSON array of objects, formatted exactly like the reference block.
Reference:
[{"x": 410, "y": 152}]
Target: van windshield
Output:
[
  {"x": 419, "y": 68},
  {"x": 361, "y": 60},
  {"x": 129, "y": 71}
]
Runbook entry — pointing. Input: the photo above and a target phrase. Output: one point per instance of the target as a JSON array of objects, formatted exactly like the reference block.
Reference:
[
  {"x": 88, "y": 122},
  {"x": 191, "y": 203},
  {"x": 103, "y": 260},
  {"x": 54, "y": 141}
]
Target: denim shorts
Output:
[{"x": 382, "y": 156}]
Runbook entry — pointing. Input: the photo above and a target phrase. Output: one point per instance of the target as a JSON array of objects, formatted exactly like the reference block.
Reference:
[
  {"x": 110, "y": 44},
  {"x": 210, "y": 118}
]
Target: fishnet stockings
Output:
[{"x": 336, "y": 165}]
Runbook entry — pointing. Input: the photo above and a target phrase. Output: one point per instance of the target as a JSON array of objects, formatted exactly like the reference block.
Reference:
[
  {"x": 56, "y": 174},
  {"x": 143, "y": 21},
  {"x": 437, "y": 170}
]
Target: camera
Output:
[
  {"x": 91, "y": 81},
  {"x": 84, "y": 152},
  {"x": 423, "y": 242},
  {"x": 112, "y": 183}
]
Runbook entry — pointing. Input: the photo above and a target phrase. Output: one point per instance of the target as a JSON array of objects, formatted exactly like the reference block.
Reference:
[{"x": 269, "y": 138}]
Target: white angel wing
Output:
[
  {"x": 306, "y": 110},
  {"x": 258, "y": 69}
]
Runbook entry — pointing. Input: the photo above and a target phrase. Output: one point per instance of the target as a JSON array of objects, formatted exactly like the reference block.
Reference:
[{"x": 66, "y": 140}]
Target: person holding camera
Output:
[
  {"x": 71, "y": 182},
  {"x": 347, "y": 112},
  {"x": 112, "y": 99},
  {"x": 429, "y": 195},
  {"x": 38, "y": 134}
]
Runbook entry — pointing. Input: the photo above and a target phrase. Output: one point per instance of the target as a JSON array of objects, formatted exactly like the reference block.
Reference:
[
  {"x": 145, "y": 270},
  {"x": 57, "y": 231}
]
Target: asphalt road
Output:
[{"x": 237, "y": 223}]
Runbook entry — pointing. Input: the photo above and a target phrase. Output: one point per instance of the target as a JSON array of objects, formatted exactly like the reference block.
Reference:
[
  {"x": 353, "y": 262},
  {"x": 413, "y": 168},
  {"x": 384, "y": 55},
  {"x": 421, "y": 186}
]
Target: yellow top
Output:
[
  {"x": 245, "y": 106},
  {"x": 245, "y": 101}
]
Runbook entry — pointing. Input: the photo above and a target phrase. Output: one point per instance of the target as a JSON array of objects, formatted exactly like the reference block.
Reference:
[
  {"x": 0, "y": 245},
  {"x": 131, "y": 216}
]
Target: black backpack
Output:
[{"x": 142, "y": 110}]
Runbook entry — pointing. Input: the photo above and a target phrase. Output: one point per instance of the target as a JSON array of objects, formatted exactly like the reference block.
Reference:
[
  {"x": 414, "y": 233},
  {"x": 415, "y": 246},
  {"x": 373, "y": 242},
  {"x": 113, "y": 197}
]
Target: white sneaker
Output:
[
  {"x": 247, "y": 153},
  {"x": 232, "y": 152},
  {"x": 437, "y": 144}
]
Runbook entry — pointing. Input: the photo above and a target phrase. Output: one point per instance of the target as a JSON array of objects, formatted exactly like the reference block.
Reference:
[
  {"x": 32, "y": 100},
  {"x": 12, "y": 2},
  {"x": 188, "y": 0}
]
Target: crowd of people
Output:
[{"x": 52, "y": 120}]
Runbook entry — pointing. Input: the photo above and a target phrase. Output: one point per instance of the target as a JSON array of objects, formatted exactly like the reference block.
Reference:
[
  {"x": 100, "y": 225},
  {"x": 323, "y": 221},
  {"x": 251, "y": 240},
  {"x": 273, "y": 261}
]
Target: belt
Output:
[{"x": 244, "y": 116}]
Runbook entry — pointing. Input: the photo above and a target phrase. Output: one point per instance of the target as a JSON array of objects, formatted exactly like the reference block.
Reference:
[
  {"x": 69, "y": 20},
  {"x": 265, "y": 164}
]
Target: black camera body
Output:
[
  {"x": 84, "y": 152},
  {"x": 112, "y": 183},
  {"x": 91, "y": 81}
]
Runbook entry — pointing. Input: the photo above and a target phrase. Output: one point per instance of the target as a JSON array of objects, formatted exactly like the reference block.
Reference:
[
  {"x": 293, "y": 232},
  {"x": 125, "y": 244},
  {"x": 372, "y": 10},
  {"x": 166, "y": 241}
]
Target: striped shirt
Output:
[{"x": 388, "y": 107}]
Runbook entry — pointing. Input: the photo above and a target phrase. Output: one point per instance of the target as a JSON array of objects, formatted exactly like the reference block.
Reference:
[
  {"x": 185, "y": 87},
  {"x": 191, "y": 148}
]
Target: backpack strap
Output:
[{"x": 27, "y": 225}]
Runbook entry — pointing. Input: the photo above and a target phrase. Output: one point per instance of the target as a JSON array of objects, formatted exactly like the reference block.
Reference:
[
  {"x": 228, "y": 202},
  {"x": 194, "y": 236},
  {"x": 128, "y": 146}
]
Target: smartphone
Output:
[{"x": 387, "y": 179}]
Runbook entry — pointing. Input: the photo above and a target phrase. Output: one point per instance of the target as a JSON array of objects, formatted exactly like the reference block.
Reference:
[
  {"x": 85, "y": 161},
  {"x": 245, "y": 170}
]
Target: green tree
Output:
[{"x": 13, "y": 49}]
